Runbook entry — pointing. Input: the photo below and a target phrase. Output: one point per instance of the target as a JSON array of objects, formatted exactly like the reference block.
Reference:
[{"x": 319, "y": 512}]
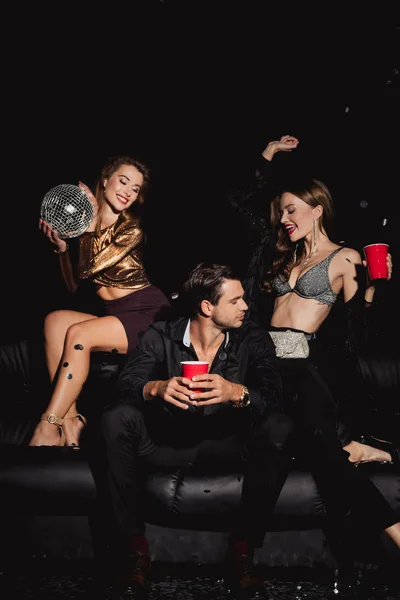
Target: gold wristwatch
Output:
[{"x": 244, "y": 399}]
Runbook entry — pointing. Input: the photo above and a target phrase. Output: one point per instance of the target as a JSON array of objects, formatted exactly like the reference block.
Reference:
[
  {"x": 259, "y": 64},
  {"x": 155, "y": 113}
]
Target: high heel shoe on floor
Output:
[
  {"x": 82, "y": 419},
  {"x": 383, "y": 445}
]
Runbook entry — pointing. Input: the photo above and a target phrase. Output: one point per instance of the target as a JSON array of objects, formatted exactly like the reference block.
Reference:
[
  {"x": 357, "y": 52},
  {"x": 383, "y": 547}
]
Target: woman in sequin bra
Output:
[
  {"x": 110, "y": 256},
  {"x": 253, "y": 203},
  {"x": 308, "y": 273}
]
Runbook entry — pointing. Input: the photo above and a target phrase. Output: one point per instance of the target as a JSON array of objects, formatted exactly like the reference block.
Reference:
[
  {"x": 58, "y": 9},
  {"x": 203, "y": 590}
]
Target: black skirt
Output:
[{"x": 138, "y": 310}]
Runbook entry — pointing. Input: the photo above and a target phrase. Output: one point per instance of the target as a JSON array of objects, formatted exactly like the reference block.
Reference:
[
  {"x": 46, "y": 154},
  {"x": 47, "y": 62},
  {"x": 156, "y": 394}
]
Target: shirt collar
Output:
[{"x": 186, "y": 336}]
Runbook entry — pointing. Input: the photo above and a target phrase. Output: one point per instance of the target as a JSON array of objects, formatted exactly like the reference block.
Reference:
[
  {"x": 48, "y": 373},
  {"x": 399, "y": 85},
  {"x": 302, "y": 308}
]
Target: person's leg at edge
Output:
[
  {"x": 394, "y": 533},
  {"x": 344, "y": 489},
  {"x": 81, "y": 339},
  {"x": 267, "y": 461},
  {"x": 362, "y": 452},
  {"x": 327, "y": 364}
]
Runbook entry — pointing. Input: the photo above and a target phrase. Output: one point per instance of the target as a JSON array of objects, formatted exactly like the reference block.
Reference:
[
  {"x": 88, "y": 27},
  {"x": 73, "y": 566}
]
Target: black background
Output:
[{"x": 197, "y": 89}]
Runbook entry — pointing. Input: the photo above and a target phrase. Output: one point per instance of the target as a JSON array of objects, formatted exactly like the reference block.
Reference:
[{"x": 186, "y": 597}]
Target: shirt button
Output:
[{"x": 223, "y": 356}]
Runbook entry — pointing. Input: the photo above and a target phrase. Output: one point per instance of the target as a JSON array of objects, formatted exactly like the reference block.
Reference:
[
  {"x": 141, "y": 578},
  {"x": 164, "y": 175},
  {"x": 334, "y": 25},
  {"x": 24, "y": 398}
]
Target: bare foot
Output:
[
  {"x": 45, "y": 434},
  {"x": 72, "y": 428},
  {"x": 360, "y": 453}
]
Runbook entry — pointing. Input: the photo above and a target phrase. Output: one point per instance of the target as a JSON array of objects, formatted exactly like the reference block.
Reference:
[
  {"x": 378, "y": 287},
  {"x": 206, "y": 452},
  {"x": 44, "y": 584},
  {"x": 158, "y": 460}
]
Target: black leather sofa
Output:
[{"x": 48, "y": 494}]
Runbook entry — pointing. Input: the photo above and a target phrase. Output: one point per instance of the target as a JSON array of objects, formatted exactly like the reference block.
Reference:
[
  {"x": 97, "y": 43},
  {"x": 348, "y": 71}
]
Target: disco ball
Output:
[{"x": 67, "y": 209}]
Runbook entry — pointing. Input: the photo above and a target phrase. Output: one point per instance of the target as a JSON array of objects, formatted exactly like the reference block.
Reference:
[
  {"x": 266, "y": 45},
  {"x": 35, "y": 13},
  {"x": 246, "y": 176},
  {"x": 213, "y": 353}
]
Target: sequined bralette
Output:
[{"x": 313, "y": 284}]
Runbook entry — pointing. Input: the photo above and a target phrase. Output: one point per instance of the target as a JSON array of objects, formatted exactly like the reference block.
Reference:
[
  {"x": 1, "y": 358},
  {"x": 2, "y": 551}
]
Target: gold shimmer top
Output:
[{"x": 114, "y": 257}]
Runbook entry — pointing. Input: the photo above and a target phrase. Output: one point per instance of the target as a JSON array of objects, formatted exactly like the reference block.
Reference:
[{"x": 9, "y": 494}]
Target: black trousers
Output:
[
  {"x": 344, "y": 488},
  {"x": 135, "y": 442}
]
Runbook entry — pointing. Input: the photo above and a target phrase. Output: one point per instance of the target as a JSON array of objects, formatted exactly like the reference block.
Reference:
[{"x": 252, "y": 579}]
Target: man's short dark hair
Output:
[{"x": 204, "y": 283}]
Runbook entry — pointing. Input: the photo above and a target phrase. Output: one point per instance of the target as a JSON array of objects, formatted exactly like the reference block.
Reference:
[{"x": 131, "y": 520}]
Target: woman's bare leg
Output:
[
  {"x": 96, "y": 334},
  {"x": 56, "y": 325},
  {"x": 363, "y": 453}
]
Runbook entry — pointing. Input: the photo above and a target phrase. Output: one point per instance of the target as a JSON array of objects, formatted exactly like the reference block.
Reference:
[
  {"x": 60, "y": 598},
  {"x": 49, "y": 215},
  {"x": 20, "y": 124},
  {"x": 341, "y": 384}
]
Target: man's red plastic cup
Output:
[
  {"x": 376, "y": 257},
  {"x": 190, "y": 368}
]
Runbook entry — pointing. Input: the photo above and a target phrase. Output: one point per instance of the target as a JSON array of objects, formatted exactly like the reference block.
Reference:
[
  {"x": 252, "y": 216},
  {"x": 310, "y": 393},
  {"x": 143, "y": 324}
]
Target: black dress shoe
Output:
[
  {"x": 384, "y": 445},
  {"x": 134, "y": 577},
  {"x": 241, "y": 579}
]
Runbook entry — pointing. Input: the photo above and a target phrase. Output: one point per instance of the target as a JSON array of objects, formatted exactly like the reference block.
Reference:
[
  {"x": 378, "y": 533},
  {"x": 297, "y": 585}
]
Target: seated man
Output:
[{"x": 158, "y": 421}]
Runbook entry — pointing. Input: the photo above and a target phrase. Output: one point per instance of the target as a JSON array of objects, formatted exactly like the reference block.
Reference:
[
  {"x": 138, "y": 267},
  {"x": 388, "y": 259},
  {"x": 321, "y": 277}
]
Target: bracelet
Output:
[{"x": 59, "y": 251}]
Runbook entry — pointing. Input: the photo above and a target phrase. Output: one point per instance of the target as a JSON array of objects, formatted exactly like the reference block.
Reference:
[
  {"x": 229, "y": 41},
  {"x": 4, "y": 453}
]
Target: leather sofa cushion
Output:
[{"x": 59, "y": 481}]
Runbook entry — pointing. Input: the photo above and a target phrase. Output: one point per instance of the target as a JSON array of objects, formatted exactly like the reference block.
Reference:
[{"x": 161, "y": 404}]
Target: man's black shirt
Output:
[{"x": 246, "y": 356}]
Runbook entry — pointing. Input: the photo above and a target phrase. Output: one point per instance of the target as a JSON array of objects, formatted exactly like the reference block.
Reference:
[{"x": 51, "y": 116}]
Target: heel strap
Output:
[
  {"x": 82, "y": 418},
  {"x": 77, "y": 415},
  {"x": 52, "y": 419}
]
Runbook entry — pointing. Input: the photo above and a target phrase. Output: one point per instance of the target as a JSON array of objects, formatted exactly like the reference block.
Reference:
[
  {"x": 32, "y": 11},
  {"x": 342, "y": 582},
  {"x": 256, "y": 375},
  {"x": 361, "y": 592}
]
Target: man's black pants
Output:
[{"x": 232, "y": 438}]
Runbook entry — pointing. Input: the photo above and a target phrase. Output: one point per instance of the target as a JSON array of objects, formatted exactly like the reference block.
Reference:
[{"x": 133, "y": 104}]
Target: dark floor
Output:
[{"x": 68, "y": 581}]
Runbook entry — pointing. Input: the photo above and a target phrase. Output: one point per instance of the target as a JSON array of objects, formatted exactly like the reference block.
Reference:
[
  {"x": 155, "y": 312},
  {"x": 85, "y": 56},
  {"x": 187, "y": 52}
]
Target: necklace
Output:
[
  {"x": 307, "y": 259},
  {"x": 312, "y": 251}
]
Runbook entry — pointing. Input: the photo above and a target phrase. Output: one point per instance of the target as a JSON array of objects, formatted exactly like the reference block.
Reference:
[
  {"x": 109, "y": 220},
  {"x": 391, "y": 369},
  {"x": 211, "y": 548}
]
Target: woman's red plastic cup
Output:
[
  {"x": 190, "y": 368},
  {"x": 376, "y": 257}
]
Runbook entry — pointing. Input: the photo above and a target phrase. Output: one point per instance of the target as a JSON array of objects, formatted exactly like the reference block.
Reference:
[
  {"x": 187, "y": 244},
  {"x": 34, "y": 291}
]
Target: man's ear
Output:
[{"x": 206, "y": 307}]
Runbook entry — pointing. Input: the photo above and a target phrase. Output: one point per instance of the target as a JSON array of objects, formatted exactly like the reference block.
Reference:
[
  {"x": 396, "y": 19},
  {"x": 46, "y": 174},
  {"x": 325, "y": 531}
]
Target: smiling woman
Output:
[
  {"x": 306, "y": 276},
  {"x": 110, "y": 257},
  {"x": 307, "y": 262}
]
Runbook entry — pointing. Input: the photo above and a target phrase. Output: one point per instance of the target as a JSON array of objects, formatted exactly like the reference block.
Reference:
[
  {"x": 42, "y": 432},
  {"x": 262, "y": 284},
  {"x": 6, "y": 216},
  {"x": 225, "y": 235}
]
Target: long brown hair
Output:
[
  {"x": 288, "y": 254},
  {"x": 112, "y": 165}
]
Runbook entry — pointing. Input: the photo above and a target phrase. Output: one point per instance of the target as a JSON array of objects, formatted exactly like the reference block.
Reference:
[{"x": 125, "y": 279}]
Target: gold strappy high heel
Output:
[
  {"x": 54, "y": 420},
  {"x": 81, "y": 418}
]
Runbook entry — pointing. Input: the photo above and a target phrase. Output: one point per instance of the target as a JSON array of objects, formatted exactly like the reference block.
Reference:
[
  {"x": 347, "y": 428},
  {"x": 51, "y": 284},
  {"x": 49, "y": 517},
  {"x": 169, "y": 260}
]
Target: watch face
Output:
[{"x": 246, "y": 399}]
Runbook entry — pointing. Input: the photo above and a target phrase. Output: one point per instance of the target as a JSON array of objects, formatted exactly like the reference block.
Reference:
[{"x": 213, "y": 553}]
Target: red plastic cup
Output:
[
  {"x": 376, "y": 257},
  {"x": 190, "y": 368}
]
